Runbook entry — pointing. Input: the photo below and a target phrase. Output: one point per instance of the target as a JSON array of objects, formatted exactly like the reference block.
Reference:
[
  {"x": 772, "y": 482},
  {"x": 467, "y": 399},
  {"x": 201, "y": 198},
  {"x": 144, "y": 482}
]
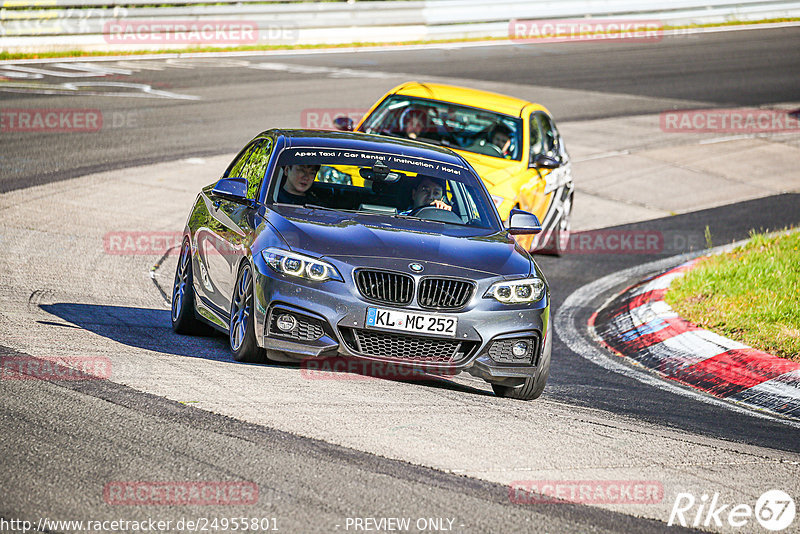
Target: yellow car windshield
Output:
[{"x": 446, "y": 124}]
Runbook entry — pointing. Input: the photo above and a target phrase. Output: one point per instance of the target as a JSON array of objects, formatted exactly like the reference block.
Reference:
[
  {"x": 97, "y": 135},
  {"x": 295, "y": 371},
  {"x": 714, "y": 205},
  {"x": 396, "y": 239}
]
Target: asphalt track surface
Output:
[
  {"x": 61, "y": 441},
  {"x": 730, "y": 69}
]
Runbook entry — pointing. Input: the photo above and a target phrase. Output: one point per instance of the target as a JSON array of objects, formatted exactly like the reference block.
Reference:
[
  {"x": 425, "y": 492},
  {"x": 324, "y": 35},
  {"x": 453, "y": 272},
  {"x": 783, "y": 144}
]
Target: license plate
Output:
[{"x": 418, "y": 323}]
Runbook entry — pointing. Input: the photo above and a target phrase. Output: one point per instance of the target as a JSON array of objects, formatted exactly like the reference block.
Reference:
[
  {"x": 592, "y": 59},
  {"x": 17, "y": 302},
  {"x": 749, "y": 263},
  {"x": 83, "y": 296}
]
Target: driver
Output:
[
  {"x": 500, "y": 136},
  {"x": 428, "y": 192},
  {"x": 296, "y": 185}
]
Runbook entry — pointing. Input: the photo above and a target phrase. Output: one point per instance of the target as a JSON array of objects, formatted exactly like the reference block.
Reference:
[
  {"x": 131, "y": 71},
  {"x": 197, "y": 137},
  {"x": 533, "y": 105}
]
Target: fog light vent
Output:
[
  {"x": 285, "y": 322},
  {"x": 294, "y": 326},
  {"x": 521, "y": 350}
]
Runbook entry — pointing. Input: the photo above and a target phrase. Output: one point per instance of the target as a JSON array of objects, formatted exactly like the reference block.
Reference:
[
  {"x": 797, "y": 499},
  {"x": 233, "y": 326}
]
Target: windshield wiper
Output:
[
  {"x": 318, "y": 207},
  {"x": 415, "y": 218}
]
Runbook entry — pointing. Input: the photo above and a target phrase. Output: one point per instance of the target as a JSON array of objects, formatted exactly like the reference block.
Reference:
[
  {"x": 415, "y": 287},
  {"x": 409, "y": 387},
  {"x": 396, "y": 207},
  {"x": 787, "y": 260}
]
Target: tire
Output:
[
  {"x": 533, "y": 386},
  {"x": 241, "y": 328},
  {"x": 563, "y": 229},
  {"x": 277, "y": 356},
  {"x": 530, "y": 390},
  {"x": 184, "y": 320}
]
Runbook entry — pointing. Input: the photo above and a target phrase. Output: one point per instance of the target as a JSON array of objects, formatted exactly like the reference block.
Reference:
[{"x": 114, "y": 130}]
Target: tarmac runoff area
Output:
[
  {"x": 640, "y": 326},
  {"x": 67, "y": 291}
]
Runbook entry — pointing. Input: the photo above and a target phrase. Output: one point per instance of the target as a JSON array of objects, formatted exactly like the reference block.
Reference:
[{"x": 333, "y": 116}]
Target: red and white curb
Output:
[{"x": 637, "y": 324}]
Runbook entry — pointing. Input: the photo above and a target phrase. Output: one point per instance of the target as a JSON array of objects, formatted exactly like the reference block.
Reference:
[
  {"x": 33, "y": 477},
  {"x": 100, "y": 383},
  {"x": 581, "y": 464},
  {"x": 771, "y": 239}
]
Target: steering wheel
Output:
[
  {"x": 492, "y": 148},
  {"x": 432, "y": 213},
  {"x": 415, "y": 211}
]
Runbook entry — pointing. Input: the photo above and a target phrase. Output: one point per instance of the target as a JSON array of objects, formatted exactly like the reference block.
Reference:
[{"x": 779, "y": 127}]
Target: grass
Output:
[
  {"x": 199, "y": 49},
  {"x": 751, "y": 295},
  {"x": 246, "y": 48}
]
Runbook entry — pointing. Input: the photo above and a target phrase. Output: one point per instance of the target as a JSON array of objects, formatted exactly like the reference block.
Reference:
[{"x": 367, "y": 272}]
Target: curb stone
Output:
[{"x": 639, "y": 325}]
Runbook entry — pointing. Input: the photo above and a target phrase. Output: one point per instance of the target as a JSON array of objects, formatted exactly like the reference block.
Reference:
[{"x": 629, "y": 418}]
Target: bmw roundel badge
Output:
[{"x": 416, "y": 267}]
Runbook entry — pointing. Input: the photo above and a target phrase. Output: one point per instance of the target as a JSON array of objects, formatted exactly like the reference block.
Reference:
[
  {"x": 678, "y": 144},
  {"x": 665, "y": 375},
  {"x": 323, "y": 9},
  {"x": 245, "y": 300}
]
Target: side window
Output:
[
  {"x": 544, "y": 137},
  {"x": 236, "y": 168},
  {"x": 536, "y": 135},
  {"x": 256, "y": 166},
  {"x": 550, "y": 137}
]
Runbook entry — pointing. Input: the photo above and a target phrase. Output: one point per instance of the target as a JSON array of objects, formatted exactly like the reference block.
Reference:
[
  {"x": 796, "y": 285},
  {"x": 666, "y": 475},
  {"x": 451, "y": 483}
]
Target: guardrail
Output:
[{"x": 42, "y": 25}]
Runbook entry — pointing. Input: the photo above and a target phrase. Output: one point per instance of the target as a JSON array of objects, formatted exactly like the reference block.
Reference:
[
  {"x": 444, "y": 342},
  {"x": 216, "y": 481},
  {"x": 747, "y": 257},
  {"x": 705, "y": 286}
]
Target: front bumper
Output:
[{"x": 331, "y": 318}]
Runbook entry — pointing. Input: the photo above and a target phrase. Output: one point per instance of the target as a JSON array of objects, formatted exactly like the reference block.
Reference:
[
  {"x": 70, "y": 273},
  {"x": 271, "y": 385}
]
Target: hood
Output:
[
  {"x": 493, "y": 170},
  {"x": 344, "y": 235}
]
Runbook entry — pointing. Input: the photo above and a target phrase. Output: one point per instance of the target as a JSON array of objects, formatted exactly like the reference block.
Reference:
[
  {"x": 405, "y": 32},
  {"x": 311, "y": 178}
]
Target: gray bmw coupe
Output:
[{"x": 329, "y": 244}]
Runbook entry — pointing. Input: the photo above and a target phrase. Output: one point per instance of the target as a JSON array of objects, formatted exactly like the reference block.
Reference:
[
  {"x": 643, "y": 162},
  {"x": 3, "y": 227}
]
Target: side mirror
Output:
[
  {"x": 233, "y": 189},
  {"x": 540, "y": 161},
  {"x": 344, "y": 123},
  {"x": 522, "y": 222}
]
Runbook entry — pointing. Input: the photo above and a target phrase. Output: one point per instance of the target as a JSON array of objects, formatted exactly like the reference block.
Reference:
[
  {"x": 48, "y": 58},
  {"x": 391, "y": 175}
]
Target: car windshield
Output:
[
  {"x": 381, "y": 184},
  {"x": 442, "y": 123}
]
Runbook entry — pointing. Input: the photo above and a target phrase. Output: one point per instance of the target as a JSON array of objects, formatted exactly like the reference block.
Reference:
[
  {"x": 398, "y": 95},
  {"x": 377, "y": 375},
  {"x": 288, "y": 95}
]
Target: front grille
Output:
[
  {"x": 406, "y": 348},
  {"x": 306, "y": 329},
  {"x": 444, "y": 293},
  {"x": 500, "y": 351},
  {"x": 385, "y": 286}
]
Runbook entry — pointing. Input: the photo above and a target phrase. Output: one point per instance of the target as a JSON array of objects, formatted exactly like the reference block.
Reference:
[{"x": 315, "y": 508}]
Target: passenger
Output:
[
  {"x": 413, "y": 122},
  {"x": 296, "y": 184},
  {"x": 428, "y": 192}
]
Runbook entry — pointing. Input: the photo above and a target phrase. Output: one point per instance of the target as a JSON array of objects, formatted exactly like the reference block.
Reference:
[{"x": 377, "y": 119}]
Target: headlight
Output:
[
  {"x": 300, "y": 266},
  {"x": 516, "y": 291}
]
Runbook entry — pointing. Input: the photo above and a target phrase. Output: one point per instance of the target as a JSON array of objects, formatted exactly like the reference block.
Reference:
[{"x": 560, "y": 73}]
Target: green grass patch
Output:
[
  {"x": 751, "y": 295},
  {"x": 246, "y": 48}
]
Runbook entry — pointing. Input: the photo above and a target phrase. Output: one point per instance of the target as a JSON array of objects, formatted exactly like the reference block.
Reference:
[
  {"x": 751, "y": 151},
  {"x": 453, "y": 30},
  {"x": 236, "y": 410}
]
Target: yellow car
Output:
[{"x": 513, "y": 145}]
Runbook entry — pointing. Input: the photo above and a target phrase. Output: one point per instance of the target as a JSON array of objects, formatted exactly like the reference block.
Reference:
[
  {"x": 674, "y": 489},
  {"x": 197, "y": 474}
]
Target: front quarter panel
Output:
[{"x": 266, "y": 236}]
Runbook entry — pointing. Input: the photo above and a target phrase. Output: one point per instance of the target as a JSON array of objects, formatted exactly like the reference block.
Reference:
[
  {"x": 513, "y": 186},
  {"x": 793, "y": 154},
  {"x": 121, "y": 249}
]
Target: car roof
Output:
[
  {"x": 367, "y": 142},
  {"x": 464, "y": 95}
]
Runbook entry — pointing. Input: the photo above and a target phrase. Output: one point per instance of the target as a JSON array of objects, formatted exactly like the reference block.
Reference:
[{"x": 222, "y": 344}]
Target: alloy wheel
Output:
[
  {"x": 181, "y": 279},
  {"x": 240, "y": 309}
]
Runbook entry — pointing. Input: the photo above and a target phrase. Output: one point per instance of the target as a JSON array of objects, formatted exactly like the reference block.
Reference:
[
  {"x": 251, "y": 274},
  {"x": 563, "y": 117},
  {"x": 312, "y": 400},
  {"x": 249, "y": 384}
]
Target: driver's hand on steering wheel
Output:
[{"x": 442, "y": 205}]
